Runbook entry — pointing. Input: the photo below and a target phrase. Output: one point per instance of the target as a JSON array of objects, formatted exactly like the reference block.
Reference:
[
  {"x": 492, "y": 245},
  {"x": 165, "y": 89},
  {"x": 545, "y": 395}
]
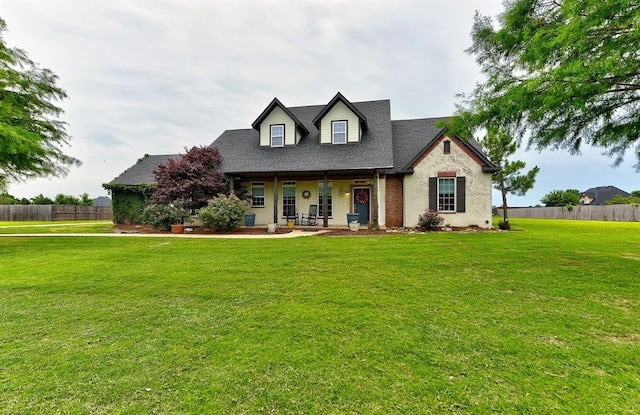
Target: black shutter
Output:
[
  {"x": 460, "y": 193},
  {"x": 433, "y": 193}
]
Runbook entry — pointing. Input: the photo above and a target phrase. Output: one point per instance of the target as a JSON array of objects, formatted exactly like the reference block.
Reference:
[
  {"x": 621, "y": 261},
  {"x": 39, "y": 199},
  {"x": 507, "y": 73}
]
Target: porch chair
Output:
[{"x": 311, "y": 219}]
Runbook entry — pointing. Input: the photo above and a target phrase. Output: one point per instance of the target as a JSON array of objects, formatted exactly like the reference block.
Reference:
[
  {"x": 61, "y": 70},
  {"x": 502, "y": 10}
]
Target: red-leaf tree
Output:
[{"x": 195, "y": 177}]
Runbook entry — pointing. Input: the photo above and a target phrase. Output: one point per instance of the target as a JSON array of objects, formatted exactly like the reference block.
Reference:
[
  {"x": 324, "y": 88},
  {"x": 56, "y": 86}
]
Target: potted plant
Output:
[
  {"x": 353, "y": 217},
  {"x": 354, "y": 226},
  {"x": 249, "y": 219}
]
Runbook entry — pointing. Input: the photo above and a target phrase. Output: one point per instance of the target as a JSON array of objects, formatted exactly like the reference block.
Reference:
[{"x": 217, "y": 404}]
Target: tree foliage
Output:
[
  {"x": 83, "y": 200},
  {"x": 31, "y": 133},
  {"x": 195, "y": 178},
  {"x": 567, "y": 71},
  {"x": 499, "y": 146},
  {"x": 7, "y": 199},
  {"x": 624, "y": 200},
  {"x": 569, "y": 197},
  {"x": 42, "y": 200}
]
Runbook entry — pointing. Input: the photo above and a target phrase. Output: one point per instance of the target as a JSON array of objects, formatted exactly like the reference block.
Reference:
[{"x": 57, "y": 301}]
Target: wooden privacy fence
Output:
[
  {"x": 54, "y": 212},
  {"x": 619, "y": 213}
]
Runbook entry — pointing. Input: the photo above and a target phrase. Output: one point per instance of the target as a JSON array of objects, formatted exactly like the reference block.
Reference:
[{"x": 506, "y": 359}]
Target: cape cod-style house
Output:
[{"x": 349, "y": 157}]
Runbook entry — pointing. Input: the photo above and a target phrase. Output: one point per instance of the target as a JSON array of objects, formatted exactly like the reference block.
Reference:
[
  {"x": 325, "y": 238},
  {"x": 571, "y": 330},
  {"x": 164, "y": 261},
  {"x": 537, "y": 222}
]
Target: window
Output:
[
  {"x": 338, "y": 132},
  {"x": 277, "y": 135},
  {"x": 288, "y": 198},
  {"x": 447, "y": 194},
  {"x": 257, "y": 194},
  {"x": 321, "y": 199},
  {"x": 447, "y": 147}
]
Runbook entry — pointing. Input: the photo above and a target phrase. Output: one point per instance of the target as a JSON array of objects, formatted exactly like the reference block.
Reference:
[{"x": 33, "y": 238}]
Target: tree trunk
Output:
[{"x": 505, "y": 216}]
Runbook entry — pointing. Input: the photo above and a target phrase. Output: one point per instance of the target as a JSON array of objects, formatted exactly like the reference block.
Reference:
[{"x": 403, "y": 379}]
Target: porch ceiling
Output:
[{"x": 310, "y": 175}]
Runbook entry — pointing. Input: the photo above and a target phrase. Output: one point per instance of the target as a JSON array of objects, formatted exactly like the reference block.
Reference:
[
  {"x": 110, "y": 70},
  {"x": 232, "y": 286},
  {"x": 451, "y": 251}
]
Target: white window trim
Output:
[
  {"x": 455, "y": 199},
  {"x": 271, "y": 135},
  {"x": 321, "y": 186},
  {"x": 295, "y": 196},
  {"x": 258, "y": 185},
  {"x": 333, "y": 132}
]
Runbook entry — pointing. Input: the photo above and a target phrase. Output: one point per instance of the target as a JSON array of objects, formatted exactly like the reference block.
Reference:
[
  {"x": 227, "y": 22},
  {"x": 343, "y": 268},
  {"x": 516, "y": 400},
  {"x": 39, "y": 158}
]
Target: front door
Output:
[{"x": 362, "y": 203}]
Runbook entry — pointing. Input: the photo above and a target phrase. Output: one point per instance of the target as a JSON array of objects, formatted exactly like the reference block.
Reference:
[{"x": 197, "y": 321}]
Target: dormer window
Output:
[
  {"x": 339, "y": 132},
  {"x": 277, "y": 135}
]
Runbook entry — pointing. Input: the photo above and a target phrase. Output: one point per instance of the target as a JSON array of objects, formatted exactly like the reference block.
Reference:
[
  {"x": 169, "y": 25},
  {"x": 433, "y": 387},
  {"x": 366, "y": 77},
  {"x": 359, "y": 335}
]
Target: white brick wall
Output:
[{"x": 477, "y": 194}]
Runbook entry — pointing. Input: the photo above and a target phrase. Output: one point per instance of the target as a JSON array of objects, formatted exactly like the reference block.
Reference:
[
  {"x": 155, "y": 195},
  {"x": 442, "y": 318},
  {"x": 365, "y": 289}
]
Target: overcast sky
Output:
[{"x": 156, "y": 76}]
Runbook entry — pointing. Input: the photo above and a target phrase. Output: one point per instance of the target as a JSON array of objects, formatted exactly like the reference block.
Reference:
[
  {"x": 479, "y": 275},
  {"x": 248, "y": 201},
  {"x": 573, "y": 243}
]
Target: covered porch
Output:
[{"x": 291, "y": 196}]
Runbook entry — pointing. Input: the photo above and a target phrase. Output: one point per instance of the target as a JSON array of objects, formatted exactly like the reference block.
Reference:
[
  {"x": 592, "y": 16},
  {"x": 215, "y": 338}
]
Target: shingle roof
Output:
[
  {"x": 242, "y": 152},
  {"x": 385, "y": 144},
  {"x": 412, "y": 137},
  {"x": 142, "y": 171},
  {"x": 602, "y": 194}
]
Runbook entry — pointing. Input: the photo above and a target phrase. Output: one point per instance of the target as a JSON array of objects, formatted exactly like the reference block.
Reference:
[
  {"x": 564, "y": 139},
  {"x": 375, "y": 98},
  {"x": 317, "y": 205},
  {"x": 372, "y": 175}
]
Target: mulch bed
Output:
[
  {"x": 280, "y": 230},
  {"x": 246, "y": 230}
]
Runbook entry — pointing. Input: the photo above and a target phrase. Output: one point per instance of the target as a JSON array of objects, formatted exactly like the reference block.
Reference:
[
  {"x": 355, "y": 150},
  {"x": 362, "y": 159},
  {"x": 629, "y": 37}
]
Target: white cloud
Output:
[{"x": 155, "y": 76}]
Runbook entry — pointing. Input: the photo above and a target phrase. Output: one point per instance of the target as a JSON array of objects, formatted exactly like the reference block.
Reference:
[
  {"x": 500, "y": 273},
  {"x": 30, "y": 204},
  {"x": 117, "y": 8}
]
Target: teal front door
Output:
[{"x": 362, "y": 203}]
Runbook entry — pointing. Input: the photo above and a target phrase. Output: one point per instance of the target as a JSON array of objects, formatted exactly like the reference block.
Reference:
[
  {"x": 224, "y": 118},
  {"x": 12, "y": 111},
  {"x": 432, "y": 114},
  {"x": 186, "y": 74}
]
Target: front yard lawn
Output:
[{"x": 541, "y": 319}]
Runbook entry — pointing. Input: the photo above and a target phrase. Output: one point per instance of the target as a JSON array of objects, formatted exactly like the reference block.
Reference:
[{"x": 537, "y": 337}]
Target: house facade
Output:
[{"x": 343, "y": 158}]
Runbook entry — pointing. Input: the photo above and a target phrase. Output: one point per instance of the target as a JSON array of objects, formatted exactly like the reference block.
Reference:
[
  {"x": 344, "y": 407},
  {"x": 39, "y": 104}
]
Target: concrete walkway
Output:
[{"x": 292, "y": 234}]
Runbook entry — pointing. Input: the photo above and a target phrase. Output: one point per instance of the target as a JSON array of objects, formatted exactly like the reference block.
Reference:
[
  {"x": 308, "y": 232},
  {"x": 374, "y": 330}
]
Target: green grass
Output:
[
  {"x": 543, "y": 319},
  {"x": 56, "y": 227}
]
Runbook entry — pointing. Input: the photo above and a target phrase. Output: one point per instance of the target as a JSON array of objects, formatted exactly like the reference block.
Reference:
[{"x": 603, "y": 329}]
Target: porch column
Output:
[
  {"x": 275, "y": 198},
  {"x": 231, "y": 184},
  {"x": 325, "y": 201},
  {"x": 374, "y": 197}
]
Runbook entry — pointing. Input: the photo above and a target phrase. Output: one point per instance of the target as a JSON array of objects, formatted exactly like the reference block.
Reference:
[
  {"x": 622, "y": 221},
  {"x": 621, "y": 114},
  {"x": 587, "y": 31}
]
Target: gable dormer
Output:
[
  {"x": 340, "y": 122},
  {"x": 278, "y": 127}
]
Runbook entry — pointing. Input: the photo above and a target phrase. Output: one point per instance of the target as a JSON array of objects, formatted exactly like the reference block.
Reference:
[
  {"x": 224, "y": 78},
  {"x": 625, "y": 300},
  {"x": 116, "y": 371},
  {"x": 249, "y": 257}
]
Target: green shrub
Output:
[
  {"x": 128, "y": 202},
  {"x": 162, "y": 216},
  {"x": 430, "y": 220},
  {"x": 224, "y": 213},
  {"x": 504, "y": 225}
]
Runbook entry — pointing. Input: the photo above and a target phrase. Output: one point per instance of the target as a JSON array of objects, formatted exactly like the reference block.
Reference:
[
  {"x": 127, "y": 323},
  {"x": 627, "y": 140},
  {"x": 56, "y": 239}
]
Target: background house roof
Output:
[
  {"x": 602, "y": 194},
  {"x": 102, "y": 201},
  {"x": 142, "y": 171},
  {"x": 242, "y": 152}
]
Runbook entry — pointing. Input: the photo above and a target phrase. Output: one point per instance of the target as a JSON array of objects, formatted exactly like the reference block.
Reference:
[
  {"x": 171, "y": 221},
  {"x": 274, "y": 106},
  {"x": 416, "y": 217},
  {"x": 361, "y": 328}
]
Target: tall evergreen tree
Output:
[{"x": 499, "y": 145}]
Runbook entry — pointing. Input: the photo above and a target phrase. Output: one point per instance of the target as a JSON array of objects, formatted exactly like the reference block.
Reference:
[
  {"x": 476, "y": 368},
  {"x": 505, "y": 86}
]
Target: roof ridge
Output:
[
  {"x": 324, "y": 105},
  {"x": 424, "y": 118}
]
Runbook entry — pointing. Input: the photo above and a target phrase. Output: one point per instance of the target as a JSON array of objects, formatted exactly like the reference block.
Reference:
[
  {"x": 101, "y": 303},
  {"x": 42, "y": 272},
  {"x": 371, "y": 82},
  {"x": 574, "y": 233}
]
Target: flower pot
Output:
[
  {"x": 271, "y": 227},
  {"x": 249, "y": 219},
  {"x": 177, "y": 228},
  {"x": 290, "y": 224},
  {"x": 354, "y": 226},
  {"x": 351, "y": 217}
]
